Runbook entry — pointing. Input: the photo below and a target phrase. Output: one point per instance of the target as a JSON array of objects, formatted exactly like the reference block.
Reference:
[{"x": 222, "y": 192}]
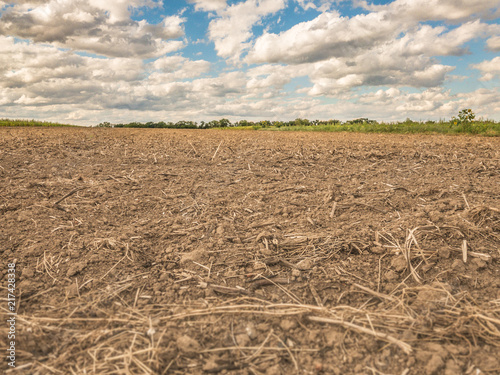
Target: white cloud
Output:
[
  {"x": 176, "y": 68},
  {"x": 436, "y": 10},
  {"x": 372, "y": 50},
  {"x": 307, "y": 4},
  {"x": 434, "y": 41},
  {"x": 208, "y": 5},
  {"x": 101, "y": 27},
  {"x": 34, "y": 76},
  {"x": 330, "y": 35},
  {"x": 486, "y": 103},
  {"x": 381, "y": 96},
  {"x": 426, "y": 101},
  {"x": 433, "y": 103},
  {"x": 326, "y": 36},
  {"x": 489, "y": 69},
  {"x": 231, "y": 30},
  {"x": 493, "y": 43},
  {"x": 119, "y": 10}
]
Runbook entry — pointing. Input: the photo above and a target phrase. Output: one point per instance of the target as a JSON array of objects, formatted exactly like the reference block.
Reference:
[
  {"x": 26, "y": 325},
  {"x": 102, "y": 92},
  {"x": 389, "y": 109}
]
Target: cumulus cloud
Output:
[
  {"x": 33, "y": 75},
  {"x": 436, "y": 10},
  {"x": 330, "y": 35},
  {"x": 326, "y": 36},
  {"x": 177, "y": 68},
  {"x": 486, "y": 102},
  {"x": 380, "y": 96},
  {"x": 489, "y": 69},
  {"x": 392, "y": 63},
  {"x": 373, "y": 49},
  {"x": 208, "y": 5},
  {"x": 493, "y": 43},
  {"x": 231, "y": 30},
  {"x": 101, "y": 27},
  {"x": 426, "y": 101}
]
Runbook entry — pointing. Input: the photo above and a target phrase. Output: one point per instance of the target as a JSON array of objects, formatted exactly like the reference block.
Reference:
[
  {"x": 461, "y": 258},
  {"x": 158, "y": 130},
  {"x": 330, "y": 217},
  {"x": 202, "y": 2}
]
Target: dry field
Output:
[{"x": 233, "y": 252}]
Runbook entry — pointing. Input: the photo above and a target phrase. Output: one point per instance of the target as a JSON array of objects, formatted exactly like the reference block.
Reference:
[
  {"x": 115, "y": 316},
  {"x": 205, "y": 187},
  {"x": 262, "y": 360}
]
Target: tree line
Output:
[{"x": 225, "y": 123}]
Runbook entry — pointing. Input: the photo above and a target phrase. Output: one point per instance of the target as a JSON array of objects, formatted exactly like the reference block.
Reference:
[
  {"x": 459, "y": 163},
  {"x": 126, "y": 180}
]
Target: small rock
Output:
[
  {"x": 313, "y": 335},
  {"x": 75, "y": 268},
  {"x": 452, "y": 368},
  {"x": 458, "y": 265},
  {"x": 429, "y": 297},
  {"x": 435, "y": 216},
  {"x": 427, "y": 267},
  {"x": 444, "y": 253},
  {"x": 333, "y": 337},
  {"x": 358, "y": 368},
  {"x": 390, "y": 275},
  {"x": 304, "y": 265},
  {"x": 296, "y": 273},
  {"x": 274, "y": 370},
  {"x": 34, "y": 251},
  {"x": 266, "y": 252},
  {"x": 399, "y": 263},
  {"x": 27, "y": 287},
  {"x": 28, "y": 273},
  {"x": 211, "y": 364},
  {"x": 481, "y": 264},
  {"x": 318, "y": 366},
  {"x": 423, "y": 355},
  {"x": 259, "y": 266},
  {"x": 242, "y": 339},
  {"x": 193, "y": 256},
  {"x": 377, "y": 250},
  {"x": 288, "y": 324},
  {"x": 187, "y": 344},
  {"x": 72, "y": 290},
  {"x": 487, "y": 363},
  {"x": 434, "y": 365},
  {"x": 251, "y": 331},
  {"x": 23, "y": 216}
]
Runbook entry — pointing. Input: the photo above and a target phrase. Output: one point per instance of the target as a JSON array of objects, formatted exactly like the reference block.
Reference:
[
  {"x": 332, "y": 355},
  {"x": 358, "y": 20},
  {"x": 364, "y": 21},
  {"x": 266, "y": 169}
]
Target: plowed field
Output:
[{"x": 238, "y": 252}]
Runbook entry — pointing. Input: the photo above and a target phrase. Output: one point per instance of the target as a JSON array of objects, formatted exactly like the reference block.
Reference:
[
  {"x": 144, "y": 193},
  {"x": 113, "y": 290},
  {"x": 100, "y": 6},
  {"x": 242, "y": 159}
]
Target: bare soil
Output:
[{"x": 236, "y": 252}]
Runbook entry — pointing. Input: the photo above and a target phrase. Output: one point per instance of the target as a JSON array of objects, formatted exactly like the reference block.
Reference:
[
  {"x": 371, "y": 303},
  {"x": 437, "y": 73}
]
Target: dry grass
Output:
[{"x": 87, "y": 338}]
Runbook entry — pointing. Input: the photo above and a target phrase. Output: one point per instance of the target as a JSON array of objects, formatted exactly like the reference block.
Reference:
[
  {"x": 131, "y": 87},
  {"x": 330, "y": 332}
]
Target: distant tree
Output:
[
  {"x": 301, "y": 122},
  {"x": 224, "y": 123},
  {"x": 104, "y": 125},
  {"x": 277, "y": 124},
  {"x": 265, "y": 123}
]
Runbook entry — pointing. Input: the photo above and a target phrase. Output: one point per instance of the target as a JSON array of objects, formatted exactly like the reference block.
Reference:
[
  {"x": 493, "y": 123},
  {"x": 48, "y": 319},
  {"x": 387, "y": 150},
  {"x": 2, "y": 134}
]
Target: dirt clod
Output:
[
  {"x": 187, "y": 345},
  {"x": 434, "y": 365},
  {"x": 399, "y": 263}
]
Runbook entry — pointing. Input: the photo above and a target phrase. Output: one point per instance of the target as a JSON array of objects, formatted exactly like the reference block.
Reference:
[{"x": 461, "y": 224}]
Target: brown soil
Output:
[{"x": 233, "y": 252}]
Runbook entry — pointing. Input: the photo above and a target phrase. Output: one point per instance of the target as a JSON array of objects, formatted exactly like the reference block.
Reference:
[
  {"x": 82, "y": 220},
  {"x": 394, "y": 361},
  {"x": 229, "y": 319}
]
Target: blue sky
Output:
[{"x": 89, "y": 61}]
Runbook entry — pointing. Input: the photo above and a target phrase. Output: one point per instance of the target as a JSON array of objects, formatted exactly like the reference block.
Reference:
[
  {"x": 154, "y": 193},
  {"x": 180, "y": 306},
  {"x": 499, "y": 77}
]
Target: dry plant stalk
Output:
[{"x": 381, "y": 336}]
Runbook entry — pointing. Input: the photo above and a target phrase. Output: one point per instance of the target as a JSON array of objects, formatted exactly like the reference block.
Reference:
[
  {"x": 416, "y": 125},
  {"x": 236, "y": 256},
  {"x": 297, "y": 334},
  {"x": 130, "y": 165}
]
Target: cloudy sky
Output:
[{"x": 88, "y": 61}]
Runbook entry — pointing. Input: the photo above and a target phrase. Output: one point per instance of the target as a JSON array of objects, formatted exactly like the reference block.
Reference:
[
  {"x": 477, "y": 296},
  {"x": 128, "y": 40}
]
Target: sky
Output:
[{"x": 89, "y": 61}]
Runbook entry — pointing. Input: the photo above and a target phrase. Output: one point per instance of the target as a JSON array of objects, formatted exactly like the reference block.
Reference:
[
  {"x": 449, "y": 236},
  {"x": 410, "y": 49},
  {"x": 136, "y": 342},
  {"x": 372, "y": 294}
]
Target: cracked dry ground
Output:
[{"x": 235, "y": 252}]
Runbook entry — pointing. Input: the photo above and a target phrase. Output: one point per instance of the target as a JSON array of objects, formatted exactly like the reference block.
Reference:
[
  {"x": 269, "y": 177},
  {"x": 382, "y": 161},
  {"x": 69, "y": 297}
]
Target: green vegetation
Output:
[
  {"x": 487, "y": 128},
  {"x": 9, "y": 122},
  {"x": 153, "y": 125},
  {"x": 464, "y": 123}
]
